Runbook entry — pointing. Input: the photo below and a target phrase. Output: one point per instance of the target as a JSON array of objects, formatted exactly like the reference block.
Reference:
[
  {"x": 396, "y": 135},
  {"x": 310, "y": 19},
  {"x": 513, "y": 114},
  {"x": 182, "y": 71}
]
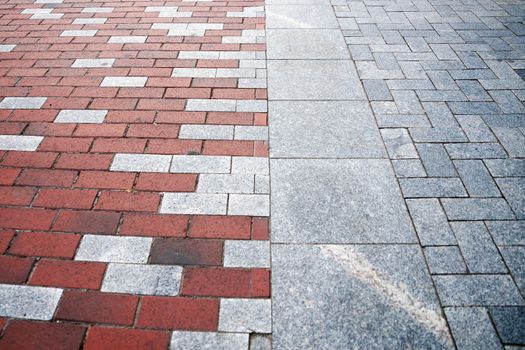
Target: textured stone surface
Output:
[
  {"x": 508, "y": 321},
  {"x": 300, "y": 16},
  {"x": 342, "y": 199},
  {"x": 194, "y": 203},
  {"x": 141, "y": 162},
  {"x": 200, "y": 164},
  {"x": 142, "y": 279},
  {"x": 245, "y": 315},
  {"x": 430, "y": 222},
  {"x": 323, "y": 129},
  {"x": 472, "y": 290},
  {"x": 181, "y": 340},
  {"x": 114, "y": 249},
  {"x": 81, "y": 116},
  {"x": 19, "y": 142},
  {"x": 22, "y": 102},
  {"x": 246, "y": 253},
  {"x": 29, "y": 302},
  {"x": 472, "y": 328},
  {"x": 306, "y": 44},
  {"x": 313, "y": 80},
  {"x": 445, "y": 260},
  {"x": 327, "y": 296}
]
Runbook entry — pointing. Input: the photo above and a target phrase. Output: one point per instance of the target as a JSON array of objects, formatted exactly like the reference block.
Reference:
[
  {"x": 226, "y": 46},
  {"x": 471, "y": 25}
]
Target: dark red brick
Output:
[
  {"x": 128, "y": 201},
  {"x": 45, "y": 244},
  {"x": 154, "y": 225},
  {"x": 30, "y": 335},
  {"x": 166, "y": 182},
  {"x": 68, "y": 274},
  {"x": 179, "y": 313},
  {"x": 106, "y": 338},
  {"x": 97, "y": 307},
  {"x": 220, "y": 227},
  {"x": 26, "y": 218},
  {"x": 14, "y": 269},
  {"x": 65, "y": 198}
]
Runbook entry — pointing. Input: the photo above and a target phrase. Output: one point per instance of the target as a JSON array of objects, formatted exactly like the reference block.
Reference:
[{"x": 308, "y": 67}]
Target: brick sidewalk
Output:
[{"x": 134, "y": 173}]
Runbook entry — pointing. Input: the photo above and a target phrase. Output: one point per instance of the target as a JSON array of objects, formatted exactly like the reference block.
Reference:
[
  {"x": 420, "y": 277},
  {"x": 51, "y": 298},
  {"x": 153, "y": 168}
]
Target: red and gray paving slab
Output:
[{"x": 256, "y": 175}]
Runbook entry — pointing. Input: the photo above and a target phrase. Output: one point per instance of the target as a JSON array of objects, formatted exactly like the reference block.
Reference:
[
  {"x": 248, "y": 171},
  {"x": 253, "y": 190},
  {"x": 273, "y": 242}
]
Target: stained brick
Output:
[
  {"x": 102, "y": 338},
  {"x": 14, "y": 269},
  {"x": 186, "y": 252},
  {"x": 28, "y": 335},
  {"x": 86, "y": 221},
  {"x": 97, "y": 307},
  {"x": 154, "y": 225},
  {"x": 179, "y": 313},
  {"x": 45, "y": 244},
  {"x": 68, "y": 274}
]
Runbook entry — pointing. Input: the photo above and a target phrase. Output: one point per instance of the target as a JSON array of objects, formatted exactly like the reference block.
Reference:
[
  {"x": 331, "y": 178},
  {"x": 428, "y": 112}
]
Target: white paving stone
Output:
[
  {"x": 7, "y": 48},
  {"x": 19, "y": 142},
  {"x": 175, "y": 14},
  {"x": 194, "y": 203},
  {"x": 181, "y": 340},
  {"x": 250, "y": 165},
  {"x": 235, "y": 72},
  {"x": 49, "y": 1},
  {"x": 225, "y": 183},
  {"x": 118, "y": 249},
  {"x": 148, "y": 163},
  {"x": 81, "y": 116},
  {"x": 256, "y": 11},
  {"x": 245, "y": 315},
  {"x": 200, "y": 164},
  {"x": 252, "y": 106},
  {"x": 33, "y": 11},
  {"x": 208, "y": 55},
  {"x": 47, "y": 16},
  {"x": 256, "y": 133},
  {"x": 194, "y": 72},
  {"x": 97, "y": 10},
  {"x": 124, "y": 81},
  {"x": 206, "y": 132},
  {"x": 161, "y": 9},
  {"x": 216, "y": 105},
  {"x": 127, "y": 39},
  {"x": 93, "y": 63},
  {"x": 246, "y": 254},
  {"x": 36, "y": 303},
  {"x": 22, "y": 102},
  {"x": 97, "y": 20},
  {"x": 262, "y": 184},
  {"x": 186, "y": 32},
  {"x": 142, "y": 279},
  {"x": 84, "y": 32},
  {"x": 249, "y": 83},
  {"x": 249, "y": 204}
]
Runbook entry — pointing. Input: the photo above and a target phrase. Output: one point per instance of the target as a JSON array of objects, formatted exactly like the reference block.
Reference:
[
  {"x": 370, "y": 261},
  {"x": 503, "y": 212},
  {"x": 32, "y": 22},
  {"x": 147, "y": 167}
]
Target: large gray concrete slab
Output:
[
  {"x": 337, "y": 201},
  {"x": 306, "y": 44},
  {"x": 354, "y": 297},
  {"x": 313, "y": 80},
  {"x": 323, "y": 129},
  {"x": 300, "y": 16}
]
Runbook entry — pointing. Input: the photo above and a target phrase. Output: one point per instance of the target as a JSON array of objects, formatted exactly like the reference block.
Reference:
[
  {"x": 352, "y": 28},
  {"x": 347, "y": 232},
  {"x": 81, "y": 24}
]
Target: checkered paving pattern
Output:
[{"x": 134, "y": 175}]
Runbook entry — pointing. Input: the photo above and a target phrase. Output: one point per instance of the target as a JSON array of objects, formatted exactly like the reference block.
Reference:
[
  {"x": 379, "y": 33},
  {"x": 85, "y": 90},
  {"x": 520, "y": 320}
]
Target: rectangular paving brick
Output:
[
  {"x": 187, "y": 252},
  {"x": 219, "y": 341},
  {"x": 225, "y": 183},
  {"x": 19, "y": 142},
  {"x": 194, "y": 203},
  {"x": 249, "y": 204},
  {"x": 245, "y": 315},
  {"x": 124, "y": 82},
  {"x": 477, "y": 209},
  {"x": 93, "y": 63},
  {"x": 246, "y": 254},
  {"x": 200, "y": 164},
  {"x": 114, "y": 249},
  {"x": 473, "y": 290},
  {"x": 81, "y": 116},
  {"x": 22, "y": 102},
  {"x": 37, "y": 303},
  {"x": 141, "y": 163},
  {"x": 142, "y": 279}
]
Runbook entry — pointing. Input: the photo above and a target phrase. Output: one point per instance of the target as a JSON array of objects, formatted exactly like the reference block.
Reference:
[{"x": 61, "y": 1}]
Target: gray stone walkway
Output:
[{"x": 397, "y": 145}]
